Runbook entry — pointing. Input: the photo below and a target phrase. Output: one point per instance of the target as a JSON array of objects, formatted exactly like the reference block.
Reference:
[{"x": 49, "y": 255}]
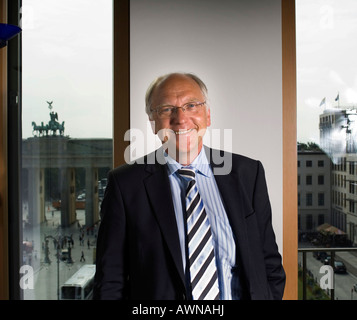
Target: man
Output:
[{"x": 172, "y": 228}]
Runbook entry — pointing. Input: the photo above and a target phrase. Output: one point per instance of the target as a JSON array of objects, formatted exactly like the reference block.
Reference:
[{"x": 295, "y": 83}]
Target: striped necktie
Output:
[{"x": 202, "y": 264}]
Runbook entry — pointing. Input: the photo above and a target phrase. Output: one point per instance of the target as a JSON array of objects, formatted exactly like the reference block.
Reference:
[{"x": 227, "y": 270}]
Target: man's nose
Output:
[{"x": 179, "y": 115}]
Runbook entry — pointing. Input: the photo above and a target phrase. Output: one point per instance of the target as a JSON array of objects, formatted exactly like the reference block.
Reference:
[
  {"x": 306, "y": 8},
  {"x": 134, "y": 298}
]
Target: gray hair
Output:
[{"x": 161, "y": 79}]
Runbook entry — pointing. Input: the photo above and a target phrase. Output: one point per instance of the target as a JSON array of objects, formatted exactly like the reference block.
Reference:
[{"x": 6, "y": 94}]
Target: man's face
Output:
[{"x": 182, "y": 131}]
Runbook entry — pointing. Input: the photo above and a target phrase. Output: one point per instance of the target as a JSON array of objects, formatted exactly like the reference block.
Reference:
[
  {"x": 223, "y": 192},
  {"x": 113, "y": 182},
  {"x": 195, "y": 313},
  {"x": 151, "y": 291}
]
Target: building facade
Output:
[
  {"x": 338, "y": 138},
  {"x": 314, "y": 190}
]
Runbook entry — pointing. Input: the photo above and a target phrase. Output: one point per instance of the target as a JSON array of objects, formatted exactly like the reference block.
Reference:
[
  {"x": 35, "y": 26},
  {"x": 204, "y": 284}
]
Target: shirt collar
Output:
[{"x": 200, "y": 163}]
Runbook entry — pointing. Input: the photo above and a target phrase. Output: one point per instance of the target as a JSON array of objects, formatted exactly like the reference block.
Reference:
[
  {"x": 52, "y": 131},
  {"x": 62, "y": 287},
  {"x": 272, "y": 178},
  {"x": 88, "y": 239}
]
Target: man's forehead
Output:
[{"x": 177, "y": 86}]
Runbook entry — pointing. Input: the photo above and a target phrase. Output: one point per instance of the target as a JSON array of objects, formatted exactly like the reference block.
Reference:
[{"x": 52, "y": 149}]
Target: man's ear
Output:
[{"x": 152, "y": 124}]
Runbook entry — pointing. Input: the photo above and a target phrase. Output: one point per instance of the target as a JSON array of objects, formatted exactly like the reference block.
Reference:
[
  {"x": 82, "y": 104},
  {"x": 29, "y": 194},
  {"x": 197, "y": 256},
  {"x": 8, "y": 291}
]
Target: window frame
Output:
[{"x": 121, "y": 120}]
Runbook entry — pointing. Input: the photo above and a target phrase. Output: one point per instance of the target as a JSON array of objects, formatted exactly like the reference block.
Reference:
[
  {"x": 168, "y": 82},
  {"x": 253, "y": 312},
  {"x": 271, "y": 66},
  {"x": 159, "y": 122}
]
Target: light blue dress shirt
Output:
[{"x": 224, "y": 244}]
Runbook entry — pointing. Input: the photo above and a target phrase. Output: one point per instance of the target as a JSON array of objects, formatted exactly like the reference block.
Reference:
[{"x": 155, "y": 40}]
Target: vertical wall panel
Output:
[{"x": 236, "y": 48}]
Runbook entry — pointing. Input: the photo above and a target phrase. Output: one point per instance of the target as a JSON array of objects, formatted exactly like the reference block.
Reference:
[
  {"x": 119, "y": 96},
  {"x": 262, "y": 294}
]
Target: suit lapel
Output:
[{"x": 159, "y": 192}]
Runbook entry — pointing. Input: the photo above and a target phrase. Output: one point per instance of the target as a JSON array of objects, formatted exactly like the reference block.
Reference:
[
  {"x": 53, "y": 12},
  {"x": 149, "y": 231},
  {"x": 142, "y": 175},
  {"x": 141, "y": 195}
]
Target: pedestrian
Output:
[{"x": 82, "y": 257}]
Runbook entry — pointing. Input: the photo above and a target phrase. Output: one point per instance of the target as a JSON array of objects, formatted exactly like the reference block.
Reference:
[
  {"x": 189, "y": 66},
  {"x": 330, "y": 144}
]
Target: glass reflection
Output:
[
  {"x": 327, "y": 148},
  {"x": 67, "y": 141}
]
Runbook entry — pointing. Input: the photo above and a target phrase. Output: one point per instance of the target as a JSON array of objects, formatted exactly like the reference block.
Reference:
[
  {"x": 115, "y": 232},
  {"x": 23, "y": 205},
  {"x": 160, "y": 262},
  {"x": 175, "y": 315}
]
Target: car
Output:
[
  {"x": 339, "y": 266},
  {"x": 327, "y": 260},
  {"x": 64, "y": 254}
]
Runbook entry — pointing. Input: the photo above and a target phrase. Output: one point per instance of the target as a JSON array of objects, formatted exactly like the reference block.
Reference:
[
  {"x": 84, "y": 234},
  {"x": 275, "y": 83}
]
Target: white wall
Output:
[{"x": 235, "y": 48}]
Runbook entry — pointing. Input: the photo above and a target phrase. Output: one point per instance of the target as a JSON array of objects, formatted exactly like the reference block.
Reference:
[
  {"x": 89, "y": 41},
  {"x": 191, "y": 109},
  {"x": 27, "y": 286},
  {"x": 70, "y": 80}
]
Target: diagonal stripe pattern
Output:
[{"x": 203, "y": 271}]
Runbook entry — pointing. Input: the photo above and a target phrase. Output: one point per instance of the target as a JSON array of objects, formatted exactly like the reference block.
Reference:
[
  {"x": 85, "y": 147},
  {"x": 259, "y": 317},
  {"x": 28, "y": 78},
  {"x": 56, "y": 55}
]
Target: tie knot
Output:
[{"x": 187, "y": 173}]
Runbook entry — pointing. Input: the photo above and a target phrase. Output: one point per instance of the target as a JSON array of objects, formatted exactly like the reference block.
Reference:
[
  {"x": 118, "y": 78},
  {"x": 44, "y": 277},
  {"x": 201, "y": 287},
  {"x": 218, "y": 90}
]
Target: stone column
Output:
[
  {"x": 36, "y": 196},
  {"x": 91, "y": 212},
  {"x": 68, "y": 196}
]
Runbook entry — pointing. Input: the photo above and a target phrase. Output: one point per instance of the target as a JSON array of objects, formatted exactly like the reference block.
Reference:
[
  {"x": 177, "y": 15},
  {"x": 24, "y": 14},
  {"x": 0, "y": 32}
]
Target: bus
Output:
[{"x": 80, "y": 285}]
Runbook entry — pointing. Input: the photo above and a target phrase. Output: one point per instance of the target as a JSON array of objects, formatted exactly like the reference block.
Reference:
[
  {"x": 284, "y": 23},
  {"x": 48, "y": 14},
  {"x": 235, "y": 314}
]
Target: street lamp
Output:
[{"x": 58, "y": 246}]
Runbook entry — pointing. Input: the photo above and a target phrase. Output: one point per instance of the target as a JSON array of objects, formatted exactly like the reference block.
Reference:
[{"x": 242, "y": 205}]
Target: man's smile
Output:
[{"x": 183, "y": 131}]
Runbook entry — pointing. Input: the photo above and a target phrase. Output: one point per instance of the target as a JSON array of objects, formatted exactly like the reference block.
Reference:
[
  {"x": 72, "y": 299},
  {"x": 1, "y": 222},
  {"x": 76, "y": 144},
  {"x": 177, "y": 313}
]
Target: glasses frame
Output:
[{"x": 175, "y": 108}]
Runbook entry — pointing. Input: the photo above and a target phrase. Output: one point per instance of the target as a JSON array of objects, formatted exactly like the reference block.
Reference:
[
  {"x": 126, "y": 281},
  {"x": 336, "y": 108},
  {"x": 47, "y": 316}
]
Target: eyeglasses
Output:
[{"x": 168, "y": 111}]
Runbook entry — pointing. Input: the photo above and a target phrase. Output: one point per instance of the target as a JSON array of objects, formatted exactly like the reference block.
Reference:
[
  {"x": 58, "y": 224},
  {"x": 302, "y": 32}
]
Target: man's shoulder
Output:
[
  {"x": 138, "y": 166},
  {"x": 219, "y": 157}
]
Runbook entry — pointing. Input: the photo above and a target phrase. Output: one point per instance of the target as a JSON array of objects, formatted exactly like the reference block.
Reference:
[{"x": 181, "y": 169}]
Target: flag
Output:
[
  {"x": 338, "y": 97},
  {"x": 322, "y": 102}
]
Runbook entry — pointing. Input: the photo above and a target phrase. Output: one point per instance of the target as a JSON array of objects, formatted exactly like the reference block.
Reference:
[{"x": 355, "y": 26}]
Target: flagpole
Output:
[{"x": 338, "y": 99}]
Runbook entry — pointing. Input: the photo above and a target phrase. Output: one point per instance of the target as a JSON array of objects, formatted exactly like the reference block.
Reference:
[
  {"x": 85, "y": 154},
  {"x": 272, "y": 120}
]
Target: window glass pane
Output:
[
  {"x": 67, "y": 139},
  {"x": 327, "y": 145}
]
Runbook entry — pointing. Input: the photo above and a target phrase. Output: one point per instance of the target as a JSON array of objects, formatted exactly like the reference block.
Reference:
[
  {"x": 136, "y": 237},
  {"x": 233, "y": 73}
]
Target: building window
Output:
[
  {"x": 308, "y": 163},
  {"x": 321, "y": 199},
  {"x": 352, "y": 167},
  {"x": 352, "y": 187},
  {"x": 320, "y": 163},
  {"x": 308, "y": 180},
  {"x": 352, "y": 206},
  {"x": 321, "y": 179},
  {"x": 309, "y": 199},
  {"x": 321, "y": 219}
]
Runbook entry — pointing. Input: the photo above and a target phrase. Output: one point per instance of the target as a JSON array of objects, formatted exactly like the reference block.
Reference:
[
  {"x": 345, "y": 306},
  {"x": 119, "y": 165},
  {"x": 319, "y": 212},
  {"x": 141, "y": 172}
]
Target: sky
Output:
[
  {"x": 326, "y": 32},
  {"x": 67, "y": 59}
]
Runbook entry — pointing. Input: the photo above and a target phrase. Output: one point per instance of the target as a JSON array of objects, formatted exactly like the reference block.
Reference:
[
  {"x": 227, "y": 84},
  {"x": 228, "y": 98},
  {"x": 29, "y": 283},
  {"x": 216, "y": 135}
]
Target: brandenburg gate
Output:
[{"x": 66, "y": 154}]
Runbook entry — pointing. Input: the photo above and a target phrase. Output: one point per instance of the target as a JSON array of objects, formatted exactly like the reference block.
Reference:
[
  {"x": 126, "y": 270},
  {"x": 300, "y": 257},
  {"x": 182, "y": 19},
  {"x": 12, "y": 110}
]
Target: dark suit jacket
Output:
[{"x": 138, "y": 249}]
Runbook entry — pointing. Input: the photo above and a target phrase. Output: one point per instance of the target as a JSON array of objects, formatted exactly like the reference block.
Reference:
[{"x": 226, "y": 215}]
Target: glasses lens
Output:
[{"x": 165, "y": 111}]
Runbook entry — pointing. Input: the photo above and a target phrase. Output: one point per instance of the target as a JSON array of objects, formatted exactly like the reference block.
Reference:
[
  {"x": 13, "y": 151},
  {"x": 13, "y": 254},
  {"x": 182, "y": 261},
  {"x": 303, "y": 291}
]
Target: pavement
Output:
[{"x": 48, "y": 277}]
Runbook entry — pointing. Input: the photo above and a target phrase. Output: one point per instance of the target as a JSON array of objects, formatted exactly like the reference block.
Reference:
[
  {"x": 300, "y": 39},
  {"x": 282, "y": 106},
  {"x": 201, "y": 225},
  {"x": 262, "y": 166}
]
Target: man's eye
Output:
[
  {"x": 190, "y": 105},
  {"x": 166, "y": 109}
]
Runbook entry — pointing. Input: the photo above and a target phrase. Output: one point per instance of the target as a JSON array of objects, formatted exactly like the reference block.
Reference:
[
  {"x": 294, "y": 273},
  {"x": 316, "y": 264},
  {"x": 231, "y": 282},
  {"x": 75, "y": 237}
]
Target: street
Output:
[
  {"x": 343, "y": 282},
  {"x": 48, "y": 276}
]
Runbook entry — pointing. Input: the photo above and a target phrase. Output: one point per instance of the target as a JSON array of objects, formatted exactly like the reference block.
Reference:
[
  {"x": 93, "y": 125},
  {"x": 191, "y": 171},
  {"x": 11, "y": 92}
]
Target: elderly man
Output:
[{"x": 172, "y": 228}]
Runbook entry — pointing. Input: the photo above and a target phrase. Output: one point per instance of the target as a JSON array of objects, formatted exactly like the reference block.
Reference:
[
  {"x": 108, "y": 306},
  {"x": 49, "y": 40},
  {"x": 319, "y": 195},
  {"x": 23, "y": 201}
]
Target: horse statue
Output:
[
  {"x": 40, "y": 129},
  {"x": 53, "y": 125}
]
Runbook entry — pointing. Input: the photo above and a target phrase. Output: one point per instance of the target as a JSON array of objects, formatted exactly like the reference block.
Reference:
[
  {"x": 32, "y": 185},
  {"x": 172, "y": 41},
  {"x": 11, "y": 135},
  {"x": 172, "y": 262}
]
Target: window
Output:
[
  {"x": 308, "y": 180},
  {"x": 352, "y": 167},
  {"x": 321, "y": 179},
  {"x": 321, "y": 219},
  {"x": 309, "y": 199},
  {"x": 352, "y": 207},
  {"x": 321, "y": 199},
  {"x": 352, "y": 187},
  {"x": 326, "y": 120},
  {"x": 67, "y": 135}
]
